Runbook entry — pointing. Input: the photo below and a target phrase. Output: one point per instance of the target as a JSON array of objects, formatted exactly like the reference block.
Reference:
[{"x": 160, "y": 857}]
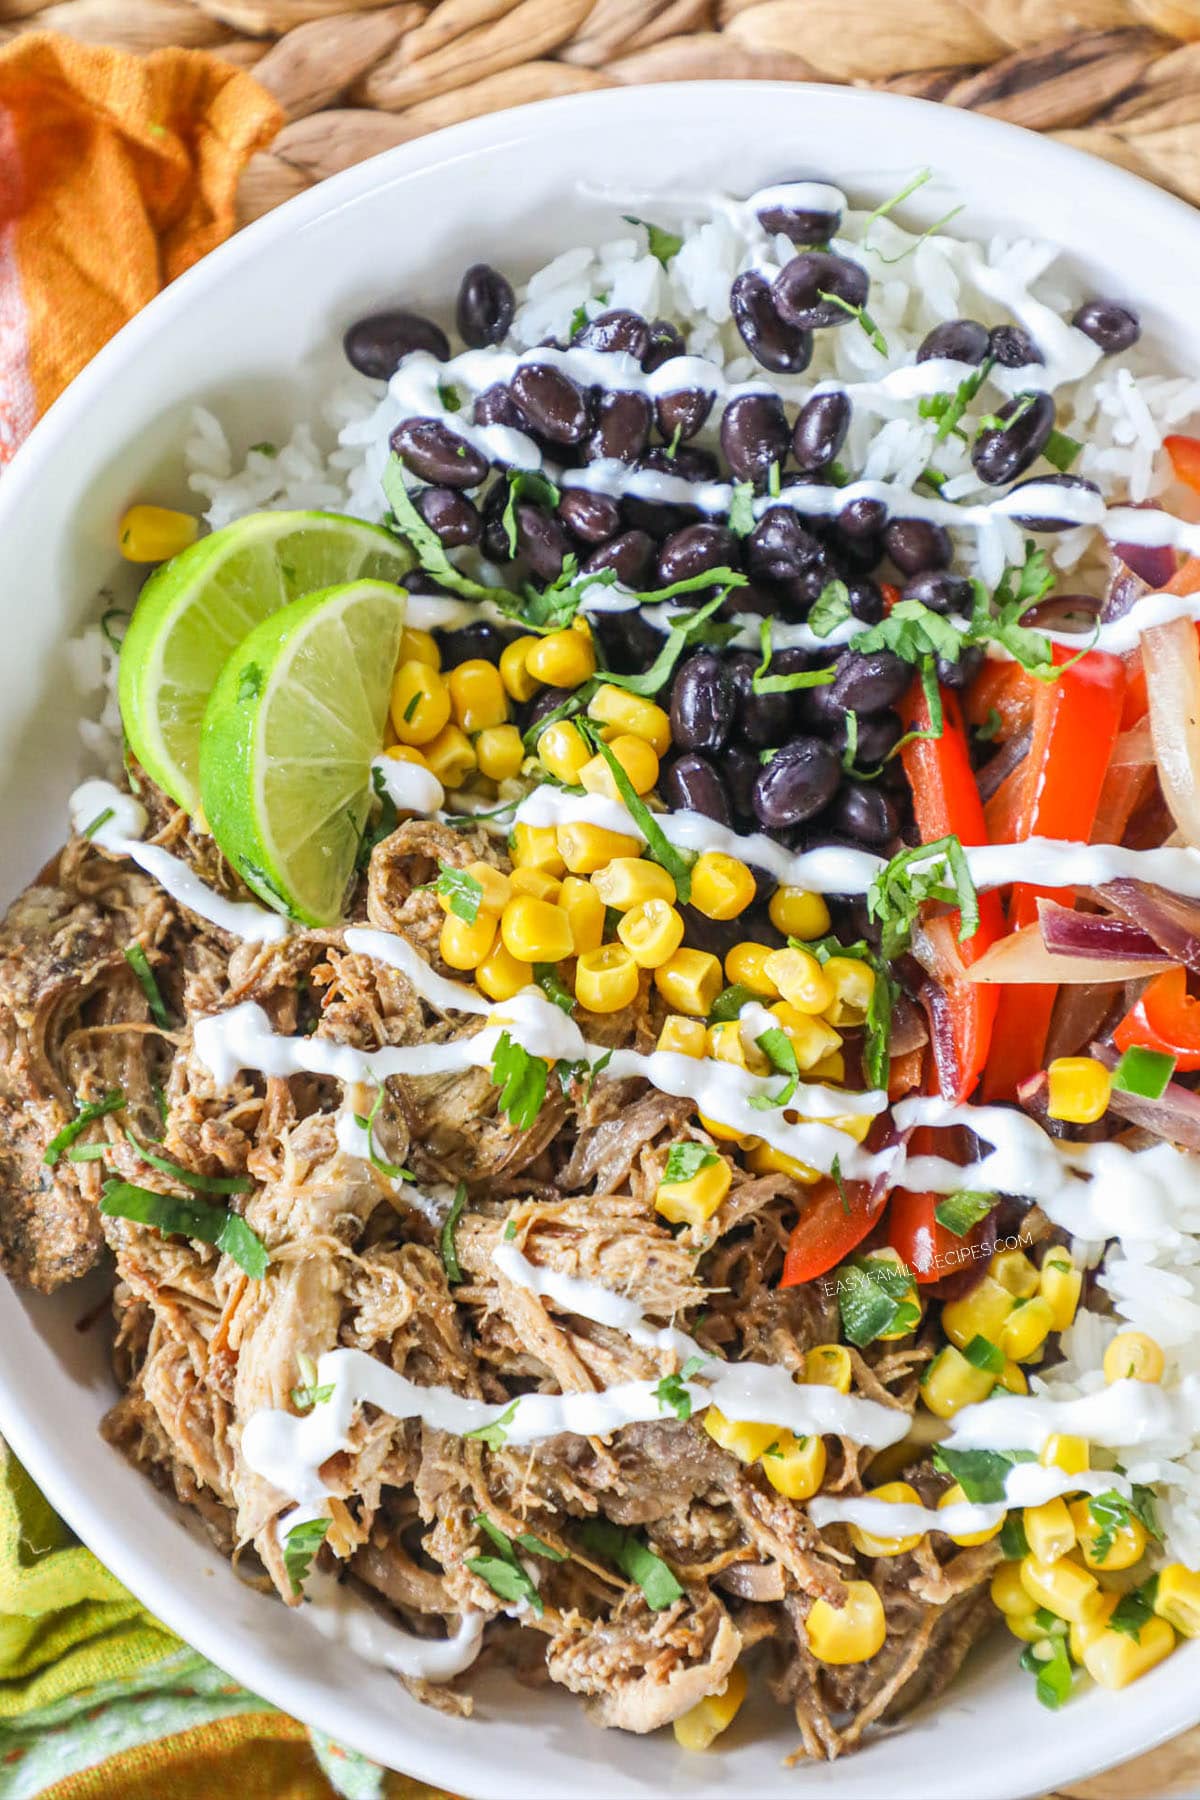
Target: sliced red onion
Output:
[
  {"x": 1097, "y": 935},
  {"x": 1154, "y": 564},
  {"x": 1065, "y": 612},
  {"x": 908, "y": 1031},
  {"x": 1081, "y": 1014},
  {"x": 1171, "y": 659},
  {"x": 1034, "y": 1095},
  {"x": 1125, "y": 587},
  {"x": 1172, "y": 922},
  {"x": 1023, "y": 957},
  {"x": 1175, "y": 1115},
  {"x": 1010, "y": 756}
]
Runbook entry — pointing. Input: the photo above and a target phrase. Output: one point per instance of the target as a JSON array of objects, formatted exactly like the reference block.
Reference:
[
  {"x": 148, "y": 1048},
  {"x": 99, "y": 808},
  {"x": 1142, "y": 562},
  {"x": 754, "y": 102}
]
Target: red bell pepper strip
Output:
[
  {"x": 946, "y": 801},
  {"x": 833, "y": 1222},
  {"x": 1165, "y": 1017},
  {"x": 913, "y": 1231},
  {"x": 1075, "y": 725},
  {"x": 1002, "y": 688}
]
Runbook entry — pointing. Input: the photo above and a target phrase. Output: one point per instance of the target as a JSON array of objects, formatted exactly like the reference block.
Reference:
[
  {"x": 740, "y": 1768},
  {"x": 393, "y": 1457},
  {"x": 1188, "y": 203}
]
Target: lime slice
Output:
[
  {"x": 296, "y": 715},
  {"x": 193, "y": 612}
]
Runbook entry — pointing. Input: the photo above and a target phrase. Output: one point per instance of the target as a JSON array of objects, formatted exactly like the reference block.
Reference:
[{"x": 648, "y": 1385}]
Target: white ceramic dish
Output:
[{"x": 250, "y": 332}]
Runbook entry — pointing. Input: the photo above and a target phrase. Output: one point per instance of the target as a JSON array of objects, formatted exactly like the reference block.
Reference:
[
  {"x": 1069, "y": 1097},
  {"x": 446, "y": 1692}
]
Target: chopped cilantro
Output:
[
  {"x": 526, "y": 484},
  {"x": 874, "y": 336},
  {"x": 200, "y": 1184},
  {"x": 139, "y": 962},
  {"x": 178, "y": 1215},
  {"x": 685, "y": 1161},
  {"x": 980, "y": 1474},
  {"x": 112, "y": 1102},
  {"x": 1061, "y": 450},
  {"x": 462, "y": 890},
  {"x": 521, "y": 1078},
  {"x": 308, "y": 1392},
  {"x": 899, "y": 890},
  {"x": 494, "y": 1435},
  {"x": 677, "y": 863},
  {"x": 741, "y": 509},
  {"x": 672, "y": 1391},
  {"x": 663, "y": 244},
  {"x": 762, "y": 683},
  {"x": 300, "y": 1546},
  {"x": 392, "y": 1171},
  {"x": 636, "y": 1561},
  {"x": 780, "y": 1052},
  {"x": 546, "y": 976},
  {"x": 873, "y": 1296},
  {"x": 450, "y": 1260}
]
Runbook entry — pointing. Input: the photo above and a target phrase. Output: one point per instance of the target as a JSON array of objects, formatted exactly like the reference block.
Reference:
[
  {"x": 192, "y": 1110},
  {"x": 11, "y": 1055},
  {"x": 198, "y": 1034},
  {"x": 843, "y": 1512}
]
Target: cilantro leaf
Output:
[
  {"x": 507, "y": 1579},
  {"x": 113, "y": 1101},
  {"x": 878, "y": 1022},
  {"x": 546, "y": 976},
  {"x": 384, "y": 825},
  {"x": 494, "y": 1434},
  {"x": 912, "y": 631},
  {"x": 636, "y": 1561},
  {"x": 874, "y": 335},
  {"x": 462, "y": 890},
  {"x": 1109, "y": 1513},
  {"x": 874, "y": 1298},
  {"x": 392, "y": 1171},
  {"x": 948, "y": 409},
  {"x": 1134, "y": 1609},
  {"x": 741, "y": 509},
  {"x": 663, "y": 244},
  {"x": 685, "y": 1161},
  {"x": 308, "y": 1392},
  {"x": 300, "y": 1546},
  {"x": 1061, "y": 450},
  {"x": 677, "y": 863},
  {"x": 730, "y": 1001},
  {"x": 521, "y": 1079},
  {"x": 672, "y": 1392},
  {"x": 450, "y": 1260},
  {"x": 830, "y": 609},
  {"x": 177, "y": 1215},
  {"x": 980, "y": 1474},
  {"x": 526, "y": 484},
  {"x": 139, "y": 962},
  {"x": 762, "y": 683},
  {"x": 900, "y": 889},
  {"x": 780, "y": 1052},
  {"x": 961, "y": 1212},
  {"x": 686, "y": 629},
  {"x": 429, "y": 548}
]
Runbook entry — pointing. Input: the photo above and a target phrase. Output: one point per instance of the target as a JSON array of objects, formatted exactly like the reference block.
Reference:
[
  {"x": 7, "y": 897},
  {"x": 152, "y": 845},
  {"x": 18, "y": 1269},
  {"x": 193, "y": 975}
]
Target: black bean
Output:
[
  {"x": 816, "y": 708},
  {"x": 486, "y": 304},
  {"x": 877, "y": 737},
  {"x": 866, "y": 601},
  {"x": 591, "y": 517},
  {"x": 760, "y": 598},
  {"x": 470, "y": 641},
  {"x": 377, "y": 345},
  {"x": 1012, "y": 347},
  {"x": 691, "y": 784},
  {"x": 869, "y": 683},
  {"x": 702, "y": 702},
  {"x": 551, "y": 402},
  {"x": 863, "y": 811},
  {"x": 665, "y": 341},
  {"x": 961, "y": 673},
  {"x": 798, "y": 287},
  {"x": 615, "y": 331},
  {"x": 1002, "y": 452},
  {"x": 917, "y": 544},
  {"x": 630, "y": 555},
  {"x": 438, "y": 455},
  {"x": 541, "y": 540},
  {"x": 496, "y": 406},
  {"x": 495, "y": 532},
  {"x": 940, "y": 591},
  {"x": 455, "y": 518},
  {"x": 780, "y": 546},
  {"x": 801, "y": 593},
  {"x": 1043, "y": 521},
  {"x": 803, "y": 224},
  {"x": 762, "y": 719},
  {"x": 820, "y": 430},
  {"x": 857, "y": 555},
  {"x": 776, "y": 345},
  {"x": 421, "y": 583},
  {"x": 629, "y": 642},
  {"x": 958, "y": 340},
  {"x": 681, "y": 414},
  {"x": 689, "y": 462},
  {"x": 694, "y": 549},
  {"x": 1109, "y": 325},
  {"x": 862, "y": 518},
  {"x": 739, "y": 771},
  {"x": 800, "y": 779},
  {"x": 622, "y": 428},
  {"x": 754, "y": 434}
]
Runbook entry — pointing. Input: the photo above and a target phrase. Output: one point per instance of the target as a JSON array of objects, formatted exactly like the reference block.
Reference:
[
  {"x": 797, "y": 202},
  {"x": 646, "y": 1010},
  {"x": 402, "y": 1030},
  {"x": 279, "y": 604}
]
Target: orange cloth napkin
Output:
[{"x": 117, "y": 172}]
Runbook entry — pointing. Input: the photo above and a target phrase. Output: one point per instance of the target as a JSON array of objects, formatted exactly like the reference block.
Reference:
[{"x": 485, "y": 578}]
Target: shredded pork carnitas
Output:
[{"x": 201, "y": 1346}]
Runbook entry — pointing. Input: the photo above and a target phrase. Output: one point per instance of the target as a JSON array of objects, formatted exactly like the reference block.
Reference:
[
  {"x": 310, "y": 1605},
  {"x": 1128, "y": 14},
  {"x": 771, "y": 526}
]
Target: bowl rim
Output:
[{"x": 1165, "y": 1707}]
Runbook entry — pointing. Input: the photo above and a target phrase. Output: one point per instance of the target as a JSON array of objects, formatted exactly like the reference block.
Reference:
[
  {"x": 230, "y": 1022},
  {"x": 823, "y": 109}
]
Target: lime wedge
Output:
[
  {"x": 296, "y": 715},
  {"x": 193, "y": 612}
]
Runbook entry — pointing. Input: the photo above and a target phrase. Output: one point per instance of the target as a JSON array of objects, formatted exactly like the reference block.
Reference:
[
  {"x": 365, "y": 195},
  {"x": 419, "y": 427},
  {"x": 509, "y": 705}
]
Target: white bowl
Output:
[{"x": 250, "y": 332}]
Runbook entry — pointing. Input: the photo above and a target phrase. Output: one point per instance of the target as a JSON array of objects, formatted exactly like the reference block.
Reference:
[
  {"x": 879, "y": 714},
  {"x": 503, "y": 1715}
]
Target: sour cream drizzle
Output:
[
  {"x": 349, "y": 1622},
  {"x": 410, "y": 787},
  {"x": 121, "y": 835}
]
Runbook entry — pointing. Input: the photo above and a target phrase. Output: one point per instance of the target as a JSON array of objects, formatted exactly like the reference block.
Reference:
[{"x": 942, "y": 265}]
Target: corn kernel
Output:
[
  {"x": 629, "y": 881},
  {"x": 536, "y": 882},
  {"x": 1012, "y": 1379},
  {"x": 535, "y": 847},
  {"x": 562, "y": 751},
  {"x": 518, "y": 682},
  {"x": 853, "y": 985},
  {"x": 1123, "y": 1545},
  {"x": 1063, "y": 1587},
  {"x": 855, "y": 1125},
  {"x": 631, "y": 713},
  {"x": 1009, "y": 1592},
  {"x": 981, "y": 1312},
  {"x": 867, "y": 1543},
  {"x": 1133, "y": 1356},
  {"x": 829, "y": 1365},
  {"x": 1177, "y": 1599},
  {"x": 638, "y": 759},
  {"x": 419, "y": 646},
  {"x": 744, "y": 968},
  {"x": 1026, "y": 1328},
  {"x": 585, "y": 848},
  {"x": 954, "y": 1496},
  {"x": 727, "y": 1043},
  {"x": 952, "y": 1383},
  {"x": 831, "y": 1069},
  {"x": 499, "y": 752},
  {"x": 848, "y": 1634},
  {"x": 722, "y": 887},
  {"x": 606, "y": 979},
  {"x": 693, "y": 1201},
  {"x": 464, "y": 946},
  {"x": 812, "y": 1038},
  {"x": 1078, "y": 1090},
  {"x": 800, "y": 979},
  {"x": 451, "y": 756},
  {"x": 651, "y": 932},
  {"x": 765, "y": 1159},
  {"x": 1082, "y": 1631},
  {"x": 690, "y": 981},
  {"x": 500, "y": 975},
  {"x": 724, "y": 1134},
  {"x": 153, "y": 533},
  {"x": 1014, "y": 1271},
  {"x": 703, "y": 1723},
  {"x": 495, "y": 888},
  {"x": 535, "y": 931},
  {"x": 1061, "y": 1451},
  {"x": 797, "y": 913},
  {"x": 1026, "y": 1627},
  {"x": 419, "y": 704},
  {"x": 742, "y": 1438},
  {"x": 585, "y": 909},
  {"x": 563, "y": 659},
  {"x": 795, "y": 1467},
  {"x": 1049, "y": 1530},
  {"x": 1113, "y": 1659},
  {"x": 1061, "y": 1284},
  {"x": 477, "y": 696},
  {"x": 685, "y": 1037}
]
